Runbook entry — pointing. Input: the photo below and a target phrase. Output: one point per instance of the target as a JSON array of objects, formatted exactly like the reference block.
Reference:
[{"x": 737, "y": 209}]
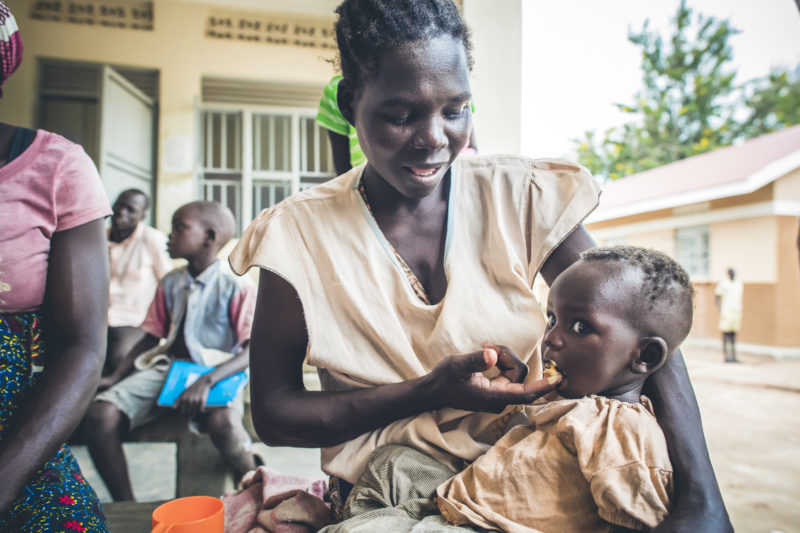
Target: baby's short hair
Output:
[{"x": 666, "y": 286}]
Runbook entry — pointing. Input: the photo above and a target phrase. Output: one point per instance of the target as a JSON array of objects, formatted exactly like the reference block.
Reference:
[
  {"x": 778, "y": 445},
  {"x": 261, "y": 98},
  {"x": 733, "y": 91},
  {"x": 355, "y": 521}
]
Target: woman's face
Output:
[{"x": 413, "y": 116}]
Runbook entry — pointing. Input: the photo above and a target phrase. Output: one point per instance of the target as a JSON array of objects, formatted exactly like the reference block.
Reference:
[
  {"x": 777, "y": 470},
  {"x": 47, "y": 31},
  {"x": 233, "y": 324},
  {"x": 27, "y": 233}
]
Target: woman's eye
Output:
[
  {"x": 455, "y": 113},
  {"x": 398, "y": 120},
  {"x": 551, "y": 320},
  {"x": 581, "y": 328}
]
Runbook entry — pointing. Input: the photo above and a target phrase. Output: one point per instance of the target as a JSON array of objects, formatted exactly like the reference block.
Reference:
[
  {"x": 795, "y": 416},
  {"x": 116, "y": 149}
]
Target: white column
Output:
[{"x": 497, "y": 74}]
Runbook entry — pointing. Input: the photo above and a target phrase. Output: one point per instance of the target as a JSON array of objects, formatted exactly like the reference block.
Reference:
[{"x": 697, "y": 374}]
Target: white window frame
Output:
[
  {"x": 250, "y": 177},
  {"x": 689, "y": 261}
]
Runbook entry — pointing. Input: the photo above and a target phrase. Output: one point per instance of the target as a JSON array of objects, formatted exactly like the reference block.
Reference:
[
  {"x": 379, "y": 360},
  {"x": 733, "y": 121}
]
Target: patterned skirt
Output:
[{"x": 57, "y": 498}]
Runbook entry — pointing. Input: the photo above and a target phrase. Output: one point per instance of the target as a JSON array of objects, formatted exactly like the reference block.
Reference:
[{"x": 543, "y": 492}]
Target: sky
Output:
[{"x": 587, "y": 63}]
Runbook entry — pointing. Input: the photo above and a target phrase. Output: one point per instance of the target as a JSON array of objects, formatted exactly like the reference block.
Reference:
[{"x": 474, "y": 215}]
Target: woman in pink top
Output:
[{"x": 53, "y": 303}]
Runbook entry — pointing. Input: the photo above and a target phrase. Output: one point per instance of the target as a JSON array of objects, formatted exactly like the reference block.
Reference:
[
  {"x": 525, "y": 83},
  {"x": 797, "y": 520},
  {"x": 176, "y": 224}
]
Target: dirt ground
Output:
[{"x": 751, "y": 417}]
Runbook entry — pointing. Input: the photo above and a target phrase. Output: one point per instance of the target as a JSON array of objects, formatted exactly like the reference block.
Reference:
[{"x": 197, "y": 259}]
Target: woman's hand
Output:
[
  {"x": 511, "y": 367},
  {"x": 458, "y": 381}
]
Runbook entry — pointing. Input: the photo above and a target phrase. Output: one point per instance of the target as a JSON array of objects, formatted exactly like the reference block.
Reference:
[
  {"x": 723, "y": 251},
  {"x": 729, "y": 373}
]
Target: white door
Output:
[{"x": 126, "y": 137}]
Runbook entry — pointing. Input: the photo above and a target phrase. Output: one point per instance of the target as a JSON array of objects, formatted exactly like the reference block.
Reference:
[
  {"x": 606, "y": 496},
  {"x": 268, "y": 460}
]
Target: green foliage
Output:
[
  {"x": 772, "y": 103},
  {"x": 688, "y": 103}
]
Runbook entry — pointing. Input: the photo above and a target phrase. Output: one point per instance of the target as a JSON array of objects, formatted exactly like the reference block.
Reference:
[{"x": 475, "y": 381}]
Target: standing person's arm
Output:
[
  {"x": 286, "y": 414},
  {"x": 698, "y": 502},
  {"x": 340, "y": 149},
  {"x": 74, "y": 321},
  {"x": 330, "y": 117}
]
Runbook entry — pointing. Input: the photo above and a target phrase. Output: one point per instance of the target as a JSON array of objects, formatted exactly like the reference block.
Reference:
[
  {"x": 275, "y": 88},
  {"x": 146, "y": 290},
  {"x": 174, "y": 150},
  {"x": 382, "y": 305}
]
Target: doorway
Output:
[{"x": 112, "y": 112}]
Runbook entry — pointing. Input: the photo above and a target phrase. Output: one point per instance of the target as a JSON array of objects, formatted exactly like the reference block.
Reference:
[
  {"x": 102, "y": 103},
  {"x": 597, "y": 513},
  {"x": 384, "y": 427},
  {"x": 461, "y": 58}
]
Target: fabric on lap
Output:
[
  {"x": 396, "y": 493},
  {"x": 57, "y": 496}
]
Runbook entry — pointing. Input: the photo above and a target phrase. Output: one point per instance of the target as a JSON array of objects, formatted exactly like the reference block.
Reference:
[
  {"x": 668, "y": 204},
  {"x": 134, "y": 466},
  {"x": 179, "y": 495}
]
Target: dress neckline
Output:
[{"x": 411, "y": 281}]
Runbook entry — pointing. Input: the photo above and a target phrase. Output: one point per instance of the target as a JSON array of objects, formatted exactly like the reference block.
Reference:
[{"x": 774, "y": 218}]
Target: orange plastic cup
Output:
[{"x": 193, "y": 514}]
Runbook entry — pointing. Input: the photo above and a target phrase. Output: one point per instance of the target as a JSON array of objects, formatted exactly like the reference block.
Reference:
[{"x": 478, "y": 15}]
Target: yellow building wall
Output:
[
  {"x": 747, "y": 245},
  {"x": 178, "y": 49},
  {"x": 762, "y": 250},
  {"x": 788, "y": 188},
  {"x": 787, "y": 294}
]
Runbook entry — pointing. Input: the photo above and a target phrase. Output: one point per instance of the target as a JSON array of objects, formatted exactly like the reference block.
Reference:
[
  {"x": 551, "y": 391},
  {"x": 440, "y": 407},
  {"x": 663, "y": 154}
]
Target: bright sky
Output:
[{"x": 587, "y": 64}]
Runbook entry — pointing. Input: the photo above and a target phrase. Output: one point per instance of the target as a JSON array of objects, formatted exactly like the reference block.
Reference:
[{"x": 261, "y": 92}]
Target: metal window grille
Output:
[{"x": 254, "y": 157}]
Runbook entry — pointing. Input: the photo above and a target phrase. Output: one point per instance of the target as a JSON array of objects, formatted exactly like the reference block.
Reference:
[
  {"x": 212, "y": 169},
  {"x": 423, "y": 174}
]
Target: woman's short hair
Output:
[{"x": 367, "y": 29}]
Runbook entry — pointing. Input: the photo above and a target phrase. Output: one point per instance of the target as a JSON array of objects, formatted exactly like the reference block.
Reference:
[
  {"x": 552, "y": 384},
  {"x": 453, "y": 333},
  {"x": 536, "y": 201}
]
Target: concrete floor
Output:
[{"x": 152, "y": 467}]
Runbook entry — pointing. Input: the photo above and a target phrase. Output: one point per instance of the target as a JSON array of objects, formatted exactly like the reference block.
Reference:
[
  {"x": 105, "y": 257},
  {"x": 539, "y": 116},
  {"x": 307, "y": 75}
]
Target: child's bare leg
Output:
[
  {"x": 103, "y": 425},
  {"x": 227, "y": 432}
]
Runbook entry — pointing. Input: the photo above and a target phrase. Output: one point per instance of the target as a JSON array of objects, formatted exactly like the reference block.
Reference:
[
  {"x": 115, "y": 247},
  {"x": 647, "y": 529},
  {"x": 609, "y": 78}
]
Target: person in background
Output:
[
  {"x": 345, "y": 149},
  {"x": 138, "y": 258},
  {"x": 204, "y": 314},
  {"x": 390, "y": 277},
  {"x": 728, "y": 297},
  {"x": 53, "y": 306}
]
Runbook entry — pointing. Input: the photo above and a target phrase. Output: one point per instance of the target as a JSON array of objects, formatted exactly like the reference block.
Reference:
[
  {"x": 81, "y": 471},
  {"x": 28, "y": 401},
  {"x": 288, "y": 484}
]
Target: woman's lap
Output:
[
  {"x": 396, "y": 493},
  {"x": 57, "y": 498}
]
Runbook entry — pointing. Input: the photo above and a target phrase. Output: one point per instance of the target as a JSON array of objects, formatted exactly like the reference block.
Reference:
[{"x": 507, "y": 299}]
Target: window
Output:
[
  {"x": 691, "y": 250},
  {"x": 254, "y": 157}
]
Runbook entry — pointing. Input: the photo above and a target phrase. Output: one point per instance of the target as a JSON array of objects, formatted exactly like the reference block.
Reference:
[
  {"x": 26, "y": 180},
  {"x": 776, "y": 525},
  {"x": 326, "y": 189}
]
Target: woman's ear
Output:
[
  {"x": 650, "y": 354},
  {"x": 345, "y": 98}
]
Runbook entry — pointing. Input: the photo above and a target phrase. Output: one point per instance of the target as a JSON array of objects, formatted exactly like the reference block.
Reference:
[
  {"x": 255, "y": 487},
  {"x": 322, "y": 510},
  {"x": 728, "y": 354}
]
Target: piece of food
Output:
[{"x": 550, "y": 370}]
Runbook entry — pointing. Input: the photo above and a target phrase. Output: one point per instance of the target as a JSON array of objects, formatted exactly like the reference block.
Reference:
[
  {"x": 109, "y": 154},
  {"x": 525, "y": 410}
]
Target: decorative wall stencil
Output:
[
  {"x": 268, "y": 28},
  {"x": 134, "y": 15}
]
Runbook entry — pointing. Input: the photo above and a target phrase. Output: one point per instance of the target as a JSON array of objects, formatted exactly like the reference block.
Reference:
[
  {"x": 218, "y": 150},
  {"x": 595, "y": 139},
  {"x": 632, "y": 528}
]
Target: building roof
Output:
[{"x": 729, "y": 171}]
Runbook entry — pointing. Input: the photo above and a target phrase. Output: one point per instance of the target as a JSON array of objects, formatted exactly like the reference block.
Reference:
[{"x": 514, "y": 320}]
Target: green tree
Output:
[
  {"x": 771, "y": 103},
  {"x": 688, "y": 103}
]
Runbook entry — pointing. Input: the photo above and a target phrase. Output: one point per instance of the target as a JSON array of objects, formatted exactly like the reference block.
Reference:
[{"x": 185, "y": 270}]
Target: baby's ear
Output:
[
  {"x": 345, "y": 99},
  {"x": 650, "y": 354}
]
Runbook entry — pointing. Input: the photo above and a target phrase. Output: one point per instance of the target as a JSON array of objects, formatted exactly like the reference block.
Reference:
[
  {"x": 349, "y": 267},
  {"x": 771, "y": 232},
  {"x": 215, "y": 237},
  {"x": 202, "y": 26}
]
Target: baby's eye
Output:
[
  {"x": 581, "y": 328},
  {"x": 551, "y": 320}
]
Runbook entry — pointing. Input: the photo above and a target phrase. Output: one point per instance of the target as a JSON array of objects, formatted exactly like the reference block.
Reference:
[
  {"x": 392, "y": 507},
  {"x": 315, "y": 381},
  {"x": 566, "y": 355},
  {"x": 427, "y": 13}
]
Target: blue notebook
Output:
[{"x": 183, "y": 373}]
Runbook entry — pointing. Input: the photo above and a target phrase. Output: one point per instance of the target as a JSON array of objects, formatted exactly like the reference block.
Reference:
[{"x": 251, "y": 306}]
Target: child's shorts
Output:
[{"x": 136, "y": 395}]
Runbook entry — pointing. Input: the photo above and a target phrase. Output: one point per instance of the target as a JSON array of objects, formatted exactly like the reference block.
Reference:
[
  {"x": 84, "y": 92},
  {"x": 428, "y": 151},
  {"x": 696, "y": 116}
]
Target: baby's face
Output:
[{"x": 589, "y": 334}]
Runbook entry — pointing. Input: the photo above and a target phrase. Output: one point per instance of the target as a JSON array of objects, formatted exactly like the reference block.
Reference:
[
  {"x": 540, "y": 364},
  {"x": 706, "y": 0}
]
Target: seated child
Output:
[
  {"x": 592, "y": 456},
  {"x": 204, "y": 313}
]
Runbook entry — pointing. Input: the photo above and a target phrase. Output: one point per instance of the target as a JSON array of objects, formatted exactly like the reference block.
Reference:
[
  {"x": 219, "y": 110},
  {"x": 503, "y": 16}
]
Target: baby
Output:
[{"x": 592, "y": 457}]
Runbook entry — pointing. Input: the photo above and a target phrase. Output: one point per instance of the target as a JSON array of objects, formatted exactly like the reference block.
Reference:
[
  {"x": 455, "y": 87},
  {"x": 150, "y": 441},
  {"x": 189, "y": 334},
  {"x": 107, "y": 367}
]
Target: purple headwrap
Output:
[{"x": 10, "y": 44}]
